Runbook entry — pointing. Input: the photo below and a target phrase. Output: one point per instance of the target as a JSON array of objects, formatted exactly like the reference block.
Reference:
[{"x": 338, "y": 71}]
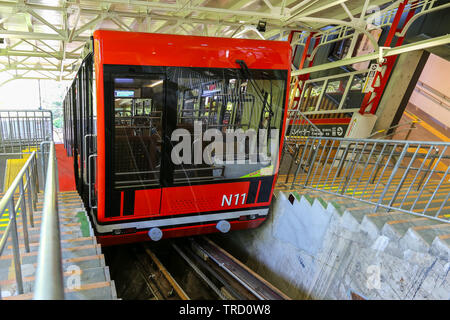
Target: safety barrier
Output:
[
  {"x": 408, "y": 176},
  {"x": 24, "y": 129},
  {"x": 298, "y": 125},
  {"x": 27, "y": 184}
]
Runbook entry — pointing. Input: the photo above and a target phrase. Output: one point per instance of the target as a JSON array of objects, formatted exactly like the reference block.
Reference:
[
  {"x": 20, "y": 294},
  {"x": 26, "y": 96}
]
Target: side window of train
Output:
[
  {"x": 220, "y": 117},
  {"x": 138, "y": 106}
]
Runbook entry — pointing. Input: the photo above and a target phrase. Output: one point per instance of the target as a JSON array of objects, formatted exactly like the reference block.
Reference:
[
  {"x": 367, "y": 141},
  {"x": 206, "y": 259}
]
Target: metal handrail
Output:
[
  {"x": 27, "y": 198},
  {"x": 407, "y": 176},
  {"x": 296, "y": 116},
  {"x": 49, "y": 274},
  {"x": 433, "y": 95},
  {"x": 411, "y": 124}
]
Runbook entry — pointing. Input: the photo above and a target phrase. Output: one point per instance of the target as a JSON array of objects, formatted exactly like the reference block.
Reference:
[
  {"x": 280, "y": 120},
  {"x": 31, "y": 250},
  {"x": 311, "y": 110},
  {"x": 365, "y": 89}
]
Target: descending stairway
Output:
[
  {"x": 350, "y": 199},
  {"x": 369, "y": 187},
  {"x": 417, "y": 233},
  {"x": 86, "y": 276}
]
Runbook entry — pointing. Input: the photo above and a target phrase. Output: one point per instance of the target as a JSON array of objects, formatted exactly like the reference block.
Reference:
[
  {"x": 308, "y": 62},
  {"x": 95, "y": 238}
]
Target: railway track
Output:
[{"x": 191, "y": 268}]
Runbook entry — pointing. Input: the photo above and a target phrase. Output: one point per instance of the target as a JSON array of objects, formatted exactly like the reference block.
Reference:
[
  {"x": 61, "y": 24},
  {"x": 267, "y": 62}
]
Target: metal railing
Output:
[
  {"x": 22, "y": 202},
  {"x": 298, "y": 125},
  {"x": 393, "y": 130},
  {"x": 24, "y": 129},
  {"x": 49, "y": 274},
  {"x": 433, "y": 94},
  {"x": 408, "y": 176}
]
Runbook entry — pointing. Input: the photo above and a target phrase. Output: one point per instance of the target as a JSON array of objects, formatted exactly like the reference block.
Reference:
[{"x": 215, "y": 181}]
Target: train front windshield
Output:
[{"x": 188, "y": 125}]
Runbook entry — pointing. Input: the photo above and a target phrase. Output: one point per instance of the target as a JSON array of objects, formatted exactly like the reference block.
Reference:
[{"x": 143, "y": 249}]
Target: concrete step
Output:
[
  {"x": 373, "y": 223},
  {"x": 64, "y": 235},
  {"x": 80, "y": 263},
  {"x": 341, "y": 205},
  {"x": 65, "y": 229},
  {"x": 6, "y": 260},
  {"x": 72, "y": 205},
  {"x": 68, "y": 243},
  {"x": 421, "y": 238},
  {"x": 62, "y": 212},
  {"x": 417, "y": 233},
  {"x": 396, "y": 229},
  {"x": 441, "y": 246},
  {"x": 95, "y": 291},
  {"x": 74, "y": 279}
]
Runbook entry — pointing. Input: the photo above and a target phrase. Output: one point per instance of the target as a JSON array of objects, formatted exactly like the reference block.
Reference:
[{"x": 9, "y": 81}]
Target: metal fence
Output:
[
  {"x": 20, "y": 198},
  {"x": 298, "y": 125},
  {"x": 408, "y": 176},
  {"x": 24, "y": 129}
]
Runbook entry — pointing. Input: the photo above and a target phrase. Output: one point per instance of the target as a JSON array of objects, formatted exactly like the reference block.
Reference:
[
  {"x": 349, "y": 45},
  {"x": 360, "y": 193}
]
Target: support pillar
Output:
[{"x": 398, "y": 90}]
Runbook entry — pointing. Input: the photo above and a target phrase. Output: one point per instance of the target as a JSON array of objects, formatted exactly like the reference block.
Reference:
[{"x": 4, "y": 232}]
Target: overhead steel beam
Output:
[
  {"x": 33, "y": 68},
  {"x": 35, "y": 35},
  {"x": 174, "y": 8},
  {"x": 51, "y": 54},
  {"x": 23, "y": 53},
  {"x": 160, "y": 6},
  {"x": 88, "y": 25},
  {"x": 77, "y": 19},
  {"x": 45, "y": 22},
  {"x": 315, "y": 10}
]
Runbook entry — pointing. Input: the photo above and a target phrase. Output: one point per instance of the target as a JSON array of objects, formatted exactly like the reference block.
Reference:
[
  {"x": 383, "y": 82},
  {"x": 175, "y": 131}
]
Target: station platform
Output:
[{"x": 65, "y": 169}]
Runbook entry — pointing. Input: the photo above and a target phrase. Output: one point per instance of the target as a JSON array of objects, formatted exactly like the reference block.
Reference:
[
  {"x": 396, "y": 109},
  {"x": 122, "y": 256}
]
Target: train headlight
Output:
[
  {"x": 155, "y": 234},
  {"x": 223, "y": 226}
]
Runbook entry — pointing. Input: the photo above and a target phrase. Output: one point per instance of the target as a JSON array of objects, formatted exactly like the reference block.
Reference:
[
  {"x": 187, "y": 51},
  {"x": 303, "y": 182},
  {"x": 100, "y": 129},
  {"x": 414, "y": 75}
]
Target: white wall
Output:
[{"x": 435, "y": 74}]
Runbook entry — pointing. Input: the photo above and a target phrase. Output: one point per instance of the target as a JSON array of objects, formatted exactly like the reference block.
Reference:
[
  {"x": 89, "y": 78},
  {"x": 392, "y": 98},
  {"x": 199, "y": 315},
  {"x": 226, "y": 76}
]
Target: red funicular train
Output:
[{"x": 137, "y": 96}]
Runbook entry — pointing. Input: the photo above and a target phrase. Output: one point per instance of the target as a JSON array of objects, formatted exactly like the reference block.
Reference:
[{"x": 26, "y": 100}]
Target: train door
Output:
[
  {"x": 134, "y": 142},
  {"x": 88, "y": 130},
  {"x": 76, "y": 109}
]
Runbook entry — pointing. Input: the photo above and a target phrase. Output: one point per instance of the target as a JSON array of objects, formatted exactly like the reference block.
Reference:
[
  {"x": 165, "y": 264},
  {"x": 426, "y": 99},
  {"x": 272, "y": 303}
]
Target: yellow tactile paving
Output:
[
  {"x": 13, "y": 167},
  {"x": 428, "y": 127}
]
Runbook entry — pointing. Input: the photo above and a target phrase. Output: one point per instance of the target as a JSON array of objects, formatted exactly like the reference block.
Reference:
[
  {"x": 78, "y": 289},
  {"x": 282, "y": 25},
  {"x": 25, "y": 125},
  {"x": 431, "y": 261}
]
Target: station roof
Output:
[{"x": 46, "y": 39}]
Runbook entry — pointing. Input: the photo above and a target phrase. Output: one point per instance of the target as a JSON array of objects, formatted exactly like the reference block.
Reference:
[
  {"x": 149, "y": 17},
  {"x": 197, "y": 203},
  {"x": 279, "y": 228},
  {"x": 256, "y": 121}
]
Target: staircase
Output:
[
  {"x": 86, "y": 276},
  {"x": 408, "y": 232},
  {"x": 365, "y": 190}
]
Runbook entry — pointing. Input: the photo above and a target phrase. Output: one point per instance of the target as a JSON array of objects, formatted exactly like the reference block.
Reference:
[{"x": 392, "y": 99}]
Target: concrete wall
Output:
[
  {"x": 393, "y": 101},
  {"x": 436, "y": 75},
  {"x": 310, "y": 251}
]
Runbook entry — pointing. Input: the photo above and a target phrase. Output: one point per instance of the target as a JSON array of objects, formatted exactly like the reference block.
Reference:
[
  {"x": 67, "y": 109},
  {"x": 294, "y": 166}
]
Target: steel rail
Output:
[{"x": 259, "y": 287}]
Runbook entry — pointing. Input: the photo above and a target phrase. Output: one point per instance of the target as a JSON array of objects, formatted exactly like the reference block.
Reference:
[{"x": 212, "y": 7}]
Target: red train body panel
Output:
[{"x": 120, "y": 118}]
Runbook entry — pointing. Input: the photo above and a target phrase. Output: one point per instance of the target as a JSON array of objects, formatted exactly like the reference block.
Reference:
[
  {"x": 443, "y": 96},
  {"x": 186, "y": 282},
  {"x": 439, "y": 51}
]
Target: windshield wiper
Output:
[{"x": 262, "y": 94}]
